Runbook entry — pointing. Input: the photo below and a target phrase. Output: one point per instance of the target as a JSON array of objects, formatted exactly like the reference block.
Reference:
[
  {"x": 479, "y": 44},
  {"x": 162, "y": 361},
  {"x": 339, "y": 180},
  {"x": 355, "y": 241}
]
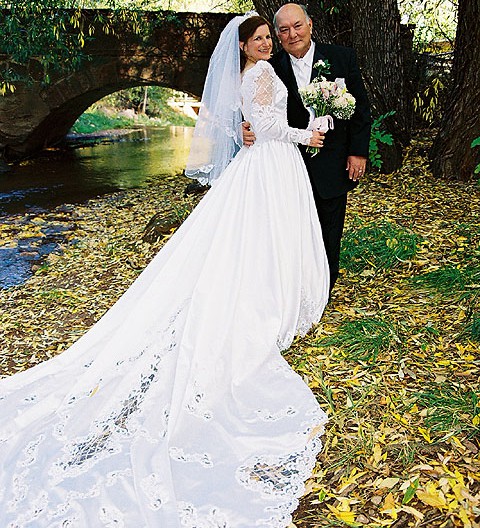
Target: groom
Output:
[{"x": 341, "y": 162}]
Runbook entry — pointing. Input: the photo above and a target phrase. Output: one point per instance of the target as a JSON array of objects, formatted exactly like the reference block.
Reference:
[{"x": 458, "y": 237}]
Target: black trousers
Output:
[{"x": 331, "y": 212}]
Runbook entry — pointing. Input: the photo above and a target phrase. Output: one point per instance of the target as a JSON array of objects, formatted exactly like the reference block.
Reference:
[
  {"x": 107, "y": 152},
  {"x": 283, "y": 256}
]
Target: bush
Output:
[{"x": 377, "y": 137}]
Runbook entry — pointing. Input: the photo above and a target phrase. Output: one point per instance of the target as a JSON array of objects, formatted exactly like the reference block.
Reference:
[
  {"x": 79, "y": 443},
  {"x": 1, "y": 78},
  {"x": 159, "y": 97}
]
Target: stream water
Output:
[
  {"x": 133, "y": 161},
  {"x": 59, "y": 179}
]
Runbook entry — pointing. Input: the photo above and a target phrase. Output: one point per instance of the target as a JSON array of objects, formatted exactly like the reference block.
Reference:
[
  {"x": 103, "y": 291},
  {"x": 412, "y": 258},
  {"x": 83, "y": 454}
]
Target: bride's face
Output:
[{"x": 259, "y": 45}]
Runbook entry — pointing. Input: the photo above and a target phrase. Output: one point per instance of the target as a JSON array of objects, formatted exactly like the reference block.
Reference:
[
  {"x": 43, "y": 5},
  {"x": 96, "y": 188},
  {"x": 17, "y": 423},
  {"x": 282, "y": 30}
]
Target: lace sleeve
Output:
[{"x": 265, "y": 121}]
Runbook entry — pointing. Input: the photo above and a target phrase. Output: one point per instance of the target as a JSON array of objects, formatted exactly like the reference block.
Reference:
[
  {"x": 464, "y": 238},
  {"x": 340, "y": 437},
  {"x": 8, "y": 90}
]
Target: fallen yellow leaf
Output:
[{"x": 432, "y": 496}]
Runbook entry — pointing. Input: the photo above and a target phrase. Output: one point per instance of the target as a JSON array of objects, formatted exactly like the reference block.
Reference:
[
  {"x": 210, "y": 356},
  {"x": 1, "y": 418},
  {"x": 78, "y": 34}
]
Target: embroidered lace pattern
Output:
[
  {"x": 267, "y": 109},
  {"x": 284, "y": 476},
  {"x": 177, "y": 453},
  {"x": 196, "y": 404},
  {"x": 155, "y": 490},
  {"x": 310, "y": 312},
  {"x": 271, "y": 416},
  {"x": 190, "y": 517},
  {"x": 103, "y": 441},
  {"x": 111, "y": 517}
]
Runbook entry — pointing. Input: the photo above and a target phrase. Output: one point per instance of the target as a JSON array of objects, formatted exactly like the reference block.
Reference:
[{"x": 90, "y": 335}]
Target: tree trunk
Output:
[
  {"x": 377, "y": 37},
  {"x": 145, "y": 100},
  {"x": 451, "y": 154}
]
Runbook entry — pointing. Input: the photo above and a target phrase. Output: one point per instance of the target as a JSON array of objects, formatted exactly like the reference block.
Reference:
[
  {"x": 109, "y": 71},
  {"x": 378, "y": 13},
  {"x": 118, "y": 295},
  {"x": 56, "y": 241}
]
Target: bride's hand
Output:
[
  {"x": 317, "y": 139},
  {"x": 247, "y": 135}
]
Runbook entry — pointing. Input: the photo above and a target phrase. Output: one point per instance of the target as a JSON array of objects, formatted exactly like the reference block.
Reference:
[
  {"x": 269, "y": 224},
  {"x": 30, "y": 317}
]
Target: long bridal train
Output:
[{"x": 177, "y": 408}]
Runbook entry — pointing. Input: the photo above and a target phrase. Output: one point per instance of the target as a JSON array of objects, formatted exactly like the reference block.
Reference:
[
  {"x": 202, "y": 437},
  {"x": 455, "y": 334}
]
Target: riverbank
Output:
[
  {"x": 98, "y": 119},
  {"x": 394, "y": 361},
  {"x": 100, "y": 255}
]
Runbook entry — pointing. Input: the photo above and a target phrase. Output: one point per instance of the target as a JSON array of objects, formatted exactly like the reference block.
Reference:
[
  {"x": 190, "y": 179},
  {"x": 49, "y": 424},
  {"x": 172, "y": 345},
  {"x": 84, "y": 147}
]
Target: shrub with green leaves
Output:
[{"x": 377, "y": 136}]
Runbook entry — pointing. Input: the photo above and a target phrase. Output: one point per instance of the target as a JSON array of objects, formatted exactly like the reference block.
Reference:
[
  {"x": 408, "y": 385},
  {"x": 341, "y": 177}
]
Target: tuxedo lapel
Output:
[
  {"x": 317, "y": 55},
  {"x": 287, "y": 75}
]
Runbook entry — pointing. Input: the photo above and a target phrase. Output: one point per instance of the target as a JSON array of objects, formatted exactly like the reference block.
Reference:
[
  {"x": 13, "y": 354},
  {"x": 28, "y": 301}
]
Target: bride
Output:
[{"x": 177, "y": 409}]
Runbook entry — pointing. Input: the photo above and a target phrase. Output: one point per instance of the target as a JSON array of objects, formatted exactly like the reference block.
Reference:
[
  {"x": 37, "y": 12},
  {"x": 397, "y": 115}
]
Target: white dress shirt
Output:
[{"x": 302, "y": 68}]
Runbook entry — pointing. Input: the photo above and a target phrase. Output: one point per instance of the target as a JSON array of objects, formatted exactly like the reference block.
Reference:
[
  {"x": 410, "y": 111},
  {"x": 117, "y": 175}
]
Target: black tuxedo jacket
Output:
[{"x": 351, "y": 137}]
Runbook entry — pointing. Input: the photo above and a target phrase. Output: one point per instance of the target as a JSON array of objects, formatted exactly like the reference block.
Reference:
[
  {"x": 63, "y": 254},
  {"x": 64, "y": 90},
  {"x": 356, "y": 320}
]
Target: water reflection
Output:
[{"x": 136, "y": 160}]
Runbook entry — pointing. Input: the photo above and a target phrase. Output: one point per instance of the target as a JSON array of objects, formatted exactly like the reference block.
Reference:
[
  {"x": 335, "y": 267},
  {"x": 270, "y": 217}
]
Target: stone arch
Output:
[{"x": 175, "y": 55}]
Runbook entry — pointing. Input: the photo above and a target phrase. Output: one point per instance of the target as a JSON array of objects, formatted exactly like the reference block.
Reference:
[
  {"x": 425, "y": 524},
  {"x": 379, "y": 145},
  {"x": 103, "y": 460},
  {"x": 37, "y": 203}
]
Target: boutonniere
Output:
[{"x": 323, "y": 67}]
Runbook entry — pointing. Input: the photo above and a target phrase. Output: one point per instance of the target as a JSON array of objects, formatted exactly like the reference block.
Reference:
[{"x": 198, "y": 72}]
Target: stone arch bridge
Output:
[{"x": 175, "y": 54}]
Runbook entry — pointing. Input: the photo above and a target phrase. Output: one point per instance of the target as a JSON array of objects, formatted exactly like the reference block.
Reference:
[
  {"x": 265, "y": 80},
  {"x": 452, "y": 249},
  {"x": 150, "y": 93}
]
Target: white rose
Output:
[{"x": 341, "y": 102}]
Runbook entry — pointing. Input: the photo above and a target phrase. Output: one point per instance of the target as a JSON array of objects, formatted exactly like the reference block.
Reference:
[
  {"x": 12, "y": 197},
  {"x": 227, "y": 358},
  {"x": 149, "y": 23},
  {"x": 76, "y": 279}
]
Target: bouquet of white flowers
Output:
[{"x": 327, "y": 99}]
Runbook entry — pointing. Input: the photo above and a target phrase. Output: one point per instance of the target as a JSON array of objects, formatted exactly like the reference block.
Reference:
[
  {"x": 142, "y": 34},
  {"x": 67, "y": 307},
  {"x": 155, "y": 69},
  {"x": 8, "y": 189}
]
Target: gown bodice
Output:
[{"x": 264, "y": 105}]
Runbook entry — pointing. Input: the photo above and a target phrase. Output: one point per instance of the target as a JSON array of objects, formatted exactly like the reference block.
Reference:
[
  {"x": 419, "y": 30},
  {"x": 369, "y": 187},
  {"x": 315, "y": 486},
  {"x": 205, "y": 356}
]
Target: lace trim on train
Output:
[
  {"x": 105, "y": 438},
  {"x": 282, "y": 478},
  {"x": 190, "y": 517},
  {"x": 277, "y": 478},
  {"x": 103, "y": 441},
  {"x": 310, "y": 312}
]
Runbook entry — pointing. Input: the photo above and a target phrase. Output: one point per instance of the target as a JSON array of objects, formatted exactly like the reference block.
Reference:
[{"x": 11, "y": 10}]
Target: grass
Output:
[
  {"x": 379, "y": 245},
  {"x": 95, "y": 120},
  {"x": 363, "y": 339},
  {"x": 472, "y": 330},
  {"x": 451, "y": 409},
  {"x": 450, "y": 280}
]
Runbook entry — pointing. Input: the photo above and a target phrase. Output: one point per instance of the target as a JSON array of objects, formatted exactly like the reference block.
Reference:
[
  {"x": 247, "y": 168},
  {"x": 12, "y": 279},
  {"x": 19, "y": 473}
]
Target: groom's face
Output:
[{"x": 294, "y": 30}]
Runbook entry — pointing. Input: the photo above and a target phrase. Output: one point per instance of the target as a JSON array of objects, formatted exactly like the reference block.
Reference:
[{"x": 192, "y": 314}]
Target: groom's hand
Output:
[
  {"x": 356, "y": 167},
  {"x": 247, "y": 135},
  {"x": 317, "y": 139}
]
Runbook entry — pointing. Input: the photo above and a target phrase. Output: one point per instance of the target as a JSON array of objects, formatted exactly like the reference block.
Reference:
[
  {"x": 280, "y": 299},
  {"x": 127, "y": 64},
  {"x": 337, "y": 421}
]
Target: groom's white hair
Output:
[{"x": 304, "y": 9}]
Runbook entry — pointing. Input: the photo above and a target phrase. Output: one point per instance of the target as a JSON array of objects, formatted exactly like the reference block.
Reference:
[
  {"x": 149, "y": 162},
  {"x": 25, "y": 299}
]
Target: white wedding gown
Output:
[{"x": 177, "y": 409}]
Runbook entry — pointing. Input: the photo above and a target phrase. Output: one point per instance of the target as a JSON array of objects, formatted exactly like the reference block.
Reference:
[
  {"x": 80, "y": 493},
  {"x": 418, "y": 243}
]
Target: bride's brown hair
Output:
[{"x": 247, "y": 29}]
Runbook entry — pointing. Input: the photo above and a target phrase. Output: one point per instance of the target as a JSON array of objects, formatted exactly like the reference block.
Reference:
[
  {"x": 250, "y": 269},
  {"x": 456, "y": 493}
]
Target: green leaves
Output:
[
  {"x": 48, "y": 36},
  {"x": 379, "y": 135},
  {"x": 410, "y": 491},
  {"x": 476, "y": 143},
  {"x": 323, "y": 67},
  {"x": 39, "y": 38},
  {"x": 434, "y": 21}
]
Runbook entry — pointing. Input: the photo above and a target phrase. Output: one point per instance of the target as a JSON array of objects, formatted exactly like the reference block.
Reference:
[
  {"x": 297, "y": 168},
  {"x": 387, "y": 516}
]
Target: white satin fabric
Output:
[{"x": 177, "y": 409}]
